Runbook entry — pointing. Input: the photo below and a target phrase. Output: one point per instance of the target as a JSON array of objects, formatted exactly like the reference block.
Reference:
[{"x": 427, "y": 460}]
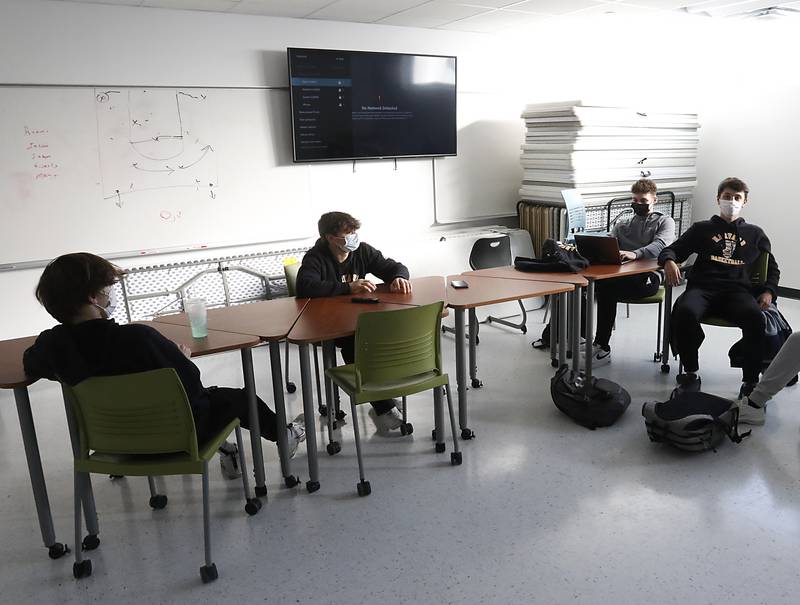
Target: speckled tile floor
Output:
[{"x": 542, "y": 510}]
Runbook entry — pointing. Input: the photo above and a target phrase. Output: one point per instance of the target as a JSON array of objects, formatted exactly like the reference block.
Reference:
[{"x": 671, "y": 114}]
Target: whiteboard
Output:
[{"x": 119, "y": 170}]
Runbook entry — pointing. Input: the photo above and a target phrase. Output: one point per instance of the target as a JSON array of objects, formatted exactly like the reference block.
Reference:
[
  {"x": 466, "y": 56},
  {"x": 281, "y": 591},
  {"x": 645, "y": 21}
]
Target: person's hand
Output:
[
  {"x": 403, "y": 286},
  {"x": 764, "y": 300},
  {"x": 627, "y": 255},
  {"x": 672, "y": 273},
  {"x": 361, "y": 286},
  {"x": 185, "y": 350}
]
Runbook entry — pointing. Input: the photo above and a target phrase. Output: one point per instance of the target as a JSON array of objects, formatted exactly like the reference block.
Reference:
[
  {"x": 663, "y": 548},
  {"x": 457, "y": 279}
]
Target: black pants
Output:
[
  {"x": 347, "y": 345},
  {"x": 609, "y": 292},
  {"x": 738, "y": 307},
  {"x": 227, "y": 404}
]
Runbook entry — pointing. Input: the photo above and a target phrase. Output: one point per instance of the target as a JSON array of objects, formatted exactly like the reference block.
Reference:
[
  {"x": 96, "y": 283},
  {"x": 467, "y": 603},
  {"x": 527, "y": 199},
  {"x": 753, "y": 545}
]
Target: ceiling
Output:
[{"x": 488, "y": 16}]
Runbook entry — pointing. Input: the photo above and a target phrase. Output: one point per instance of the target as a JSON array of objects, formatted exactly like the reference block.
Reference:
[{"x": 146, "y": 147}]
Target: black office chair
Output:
[{"x": 489, "y": 252}]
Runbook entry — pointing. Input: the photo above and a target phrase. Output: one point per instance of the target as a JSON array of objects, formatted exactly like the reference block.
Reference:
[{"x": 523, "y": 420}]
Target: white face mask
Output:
[
  {"x": 351, "y": 242},
  {"x": 730, "y": 208},
  {"x": 111, "y": 305}
]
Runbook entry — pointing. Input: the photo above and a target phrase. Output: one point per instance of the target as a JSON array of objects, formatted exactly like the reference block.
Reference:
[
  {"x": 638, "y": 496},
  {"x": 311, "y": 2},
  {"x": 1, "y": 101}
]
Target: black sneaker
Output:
[
  {"x": 746, "y": 389},
  {"x": 688, "y": 383}
]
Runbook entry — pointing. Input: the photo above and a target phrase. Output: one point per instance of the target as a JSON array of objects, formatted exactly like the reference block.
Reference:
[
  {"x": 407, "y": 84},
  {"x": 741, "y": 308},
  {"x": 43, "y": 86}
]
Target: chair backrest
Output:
[
  {"x": 758, "y": 270},
  {"x": 141, "y": 413},
  {"x": 290, "y": 271},
  {"x": 398, "y": 344},
  {"x": 490, "y": 252}
]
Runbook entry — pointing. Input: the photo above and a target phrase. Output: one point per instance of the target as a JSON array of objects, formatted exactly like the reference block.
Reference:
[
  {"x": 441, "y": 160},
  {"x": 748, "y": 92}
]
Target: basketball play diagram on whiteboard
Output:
[{"x": 151, "y": 139}]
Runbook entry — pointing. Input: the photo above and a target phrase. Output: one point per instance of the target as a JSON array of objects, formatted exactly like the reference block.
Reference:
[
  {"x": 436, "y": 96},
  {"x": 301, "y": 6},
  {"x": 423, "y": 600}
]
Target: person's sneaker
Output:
[
  {"x": 229, "y": 461},
  {"x": 295, "y": 434},
  {"x": 688, "y": 382},
  {"x": 749, "y": 413},
  {"x": 600, "y": 356},
  {"x": 746, "y": 389},
  {"x": 385, "y": 423}
]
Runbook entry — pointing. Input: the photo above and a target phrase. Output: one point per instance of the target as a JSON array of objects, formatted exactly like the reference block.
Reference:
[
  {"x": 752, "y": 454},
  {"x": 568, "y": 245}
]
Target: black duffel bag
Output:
[{"x": 599, "y": 404}]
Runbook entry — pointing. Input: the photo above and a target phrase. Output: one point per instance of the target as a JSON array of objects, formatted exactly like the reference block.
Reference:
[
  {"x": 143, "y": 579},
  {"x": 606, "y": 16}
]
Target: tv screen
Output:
[{"x": 350, "y": 105}]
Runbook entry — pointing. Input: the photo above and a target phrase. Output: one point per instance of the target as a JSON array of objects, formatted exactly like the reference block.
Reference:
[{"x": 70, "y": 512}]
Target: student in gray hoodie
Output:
[{"x": 644, "y": 234}]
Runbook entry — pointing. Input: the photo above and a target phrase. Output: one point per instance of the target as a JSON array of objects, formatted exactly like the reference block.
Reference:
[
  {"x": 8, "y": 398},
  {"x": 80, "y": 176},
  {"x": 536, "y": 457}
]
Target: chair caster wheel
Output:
[
  {"x": 261, "y": 491},
  {"x": 455, "y": 458},
  {"x": 341, "y": 415},
  {"x": 90, "y": 542},
  {"x": 253, "y": 506},
  {"x": 407, "y": 428},
  {"x": 440, "y": 448},
  {"x": 665, "y": 368},
  {"x": 115, "y": 477},
  {"x": 291, "y": 481},
  {"x": 467, "y": 434},
  {"x": 554, "y": 363},
  {"x": 476, "y": 384},
  {"x": 323, "y": 410},
  {"x": 291, "y": 387},
  {"x": 158, "y": 501},
  {"x": 312, "y": 486},
  {"x": 524, "y": 330},
  {"x": 364, "y": 488},
  {"x": 208, "y": 573},
  {"x": 82, "y": 569},
  {"x": 656, "y": 357},
  {"x": 57, "y": 550},
  {"x": 333, "y": 448}
]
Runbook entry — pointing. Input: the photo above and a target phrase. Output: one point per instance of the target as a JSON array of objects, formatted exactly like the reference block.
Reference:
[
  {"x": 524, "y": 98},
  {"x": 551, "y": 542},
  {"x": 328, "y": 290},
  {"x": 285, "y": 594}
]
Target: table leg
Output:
[
  {"x": 289, "y": 480},
  {"x": 312, "y": 484},
  {"x": 329, "y": 361},
  {"x": 461, "y": 376},
  {"x": 473, "y": 350},
  {"x": 576, "y": 332},
  {"x": 571, "y": 352},
  {"x": 255, "y": 427},
  {"x": 665, "y": 337},
  {"x": 553, "y": 330},
  {"x": 31, "y": 445},
  {"x": 589, "y": 329},
  {"x": 562, "y": 330}
]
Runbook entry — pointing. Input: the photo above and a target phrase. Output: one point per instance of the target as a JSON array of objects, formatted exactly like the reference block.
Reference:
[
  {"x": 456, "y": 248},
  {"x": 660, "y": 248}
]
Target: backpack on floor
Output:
[
  {"x": 693, "y": 421},
  {"x": 598, "y": 405},
  {"x": 776, "y": 332}
]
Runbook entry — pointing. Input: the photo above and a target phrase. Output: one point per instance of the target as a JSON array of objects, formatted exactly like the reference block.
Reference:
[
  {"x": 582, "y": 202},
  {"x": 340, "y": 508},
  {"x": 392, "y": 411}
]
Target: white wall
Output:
[{"x": 72, "y": 43}]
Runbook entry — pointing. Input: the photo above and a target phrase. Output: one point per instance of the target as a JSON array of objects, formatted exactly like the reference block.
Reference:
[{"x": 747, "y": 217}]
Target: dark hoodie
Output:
[
  {"x": 322, "y": 275},
  {"x": 101, "y": 347},
  {"x": 725, "y": 252}
]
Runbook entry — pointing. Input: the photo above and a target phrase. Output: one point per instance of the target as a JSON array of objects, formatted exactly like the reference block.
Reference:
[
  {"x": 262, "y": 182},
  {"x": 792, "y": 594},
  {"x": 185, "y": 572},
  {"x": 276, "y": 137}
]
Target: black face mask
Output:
[{"x": 641, "y": 209}]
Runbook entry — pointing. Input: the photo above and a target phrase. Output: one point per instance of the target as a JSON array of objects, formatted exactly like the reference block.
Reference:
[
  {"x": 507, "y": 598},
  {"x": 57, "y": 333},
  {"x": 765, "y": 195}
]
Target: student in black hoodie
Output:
[
  {"x": 719, "y": 283},
  {"x": 339, "y": 264},
  {"x": 78, "y": 291}
]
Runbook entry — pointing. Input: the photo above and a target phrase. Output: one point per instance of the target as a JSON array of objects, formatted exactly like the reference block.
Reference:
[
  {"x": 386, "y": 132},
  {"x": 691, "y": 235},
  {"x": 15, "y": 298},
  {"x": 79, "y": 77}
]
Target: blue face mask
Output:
[{"x": 351, "y": 242}]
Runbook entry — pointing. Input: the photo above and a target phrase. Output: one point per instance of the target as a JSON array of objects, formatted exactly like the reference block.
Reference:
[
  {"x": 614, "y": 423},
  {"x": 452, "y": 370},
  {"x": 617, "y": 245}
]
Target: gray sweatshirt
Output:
[{"x": 646, "y": 236}]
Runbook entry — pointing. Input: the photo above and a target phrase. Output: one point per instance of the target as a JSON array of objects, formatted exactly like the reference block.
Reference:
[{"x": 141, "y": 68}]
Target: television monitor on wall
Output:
[{"x": 349, "y": 105}]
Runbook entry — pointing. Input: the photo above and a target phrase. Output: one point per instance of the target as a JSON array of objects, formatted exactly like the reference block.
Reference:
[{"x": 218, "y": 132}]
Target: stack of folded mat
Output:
[{"x": 601, "y": 151}]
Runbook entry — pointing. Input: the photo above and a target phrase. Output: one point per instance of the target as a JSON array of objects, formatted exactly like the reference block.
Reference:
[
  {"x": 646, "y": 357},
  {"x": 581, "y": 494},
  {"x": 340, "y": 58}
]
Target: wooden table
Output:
[
  {"x": 12, "y": 376},
  {"x": 510, "y": 272},
  {"x": 488, "y": 291},
  {"x": 596, "y": 273},
  {"x": 424, "y": 291},
  {"x": 270, "y": 321}
]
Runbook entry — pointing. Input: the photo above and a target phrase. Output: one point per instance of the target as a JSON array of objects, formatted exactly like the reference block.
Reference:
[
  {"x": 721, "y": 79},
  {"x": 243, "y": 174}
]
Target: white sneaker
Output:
[
  {"x": 295, "y": 434},
  {"x": 749, "y": 414},
  {"x": 600, "y": 356},
  {"x": 229, "y": 461},
  {"x": 385, "y": 423}
]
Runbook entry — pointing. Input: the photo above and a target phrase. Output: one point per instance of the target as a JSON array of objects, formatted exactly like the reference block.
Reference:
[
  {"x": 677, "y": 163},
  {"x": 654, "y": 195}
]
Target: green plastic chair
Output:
[
  {"x": 398, "y": 353},
  {"x": 142, "y": 425}
]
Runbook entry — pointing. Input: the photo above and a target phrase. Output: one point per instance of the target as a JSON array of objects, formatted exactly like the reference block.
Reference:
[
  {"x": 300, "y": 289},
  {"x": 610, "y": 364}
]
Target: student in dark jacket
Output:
[
  {"x": 339, "y": 264},
  {"x": 719, "y": 283},
  {"x": 78, "y": 291}
]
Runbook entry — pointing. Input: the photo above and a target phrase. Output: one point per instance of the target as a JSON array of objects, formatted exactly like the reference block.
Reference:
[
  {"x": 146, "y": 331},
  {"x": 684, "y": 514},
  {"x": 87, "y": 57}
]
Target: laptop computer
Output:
[{"x": 599, "y": 249}]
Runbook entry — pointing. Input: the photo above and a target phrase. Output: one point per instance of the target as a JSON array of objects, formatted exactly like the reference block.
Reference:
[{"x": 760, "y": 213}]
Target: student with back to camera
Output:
[
  {"x": 78, "y": 291},
  {"x": 719, "y": 283},
  {"x": 643, "y": 235},
  {"x": 338, "y": 264}
]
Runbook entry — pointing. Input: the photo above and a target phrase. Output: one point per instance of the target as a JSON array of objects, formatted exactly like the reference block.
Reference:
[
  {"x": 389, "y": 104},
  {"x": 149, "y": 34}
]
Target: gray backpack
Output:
[{"x": 692, "y": 421}]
